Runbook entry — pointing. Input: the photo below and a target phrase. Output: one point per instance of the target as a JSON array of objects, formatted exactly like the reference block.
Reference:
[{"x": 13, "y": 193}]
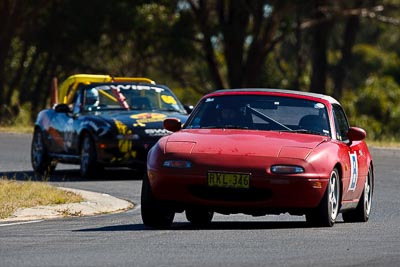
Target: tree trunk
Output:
[
  {"x": 352, "y": 26},
  {"x": 264, "y": 40},
  {"x": 234, "y": 20},
  {"x": 201, "y": 13},
  {"x": 319, "y": 47},
  {"x": 9, "y": 13}
]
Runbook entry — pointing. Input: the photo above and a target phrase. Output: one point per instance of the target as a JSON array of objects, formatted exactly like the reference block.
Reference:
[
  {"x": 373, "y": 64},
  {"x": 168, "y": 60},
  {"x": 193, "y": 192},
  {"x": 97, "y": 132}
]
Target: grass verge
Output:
[
  {"x": 384, "y": 144},
  {"x": 15, "y": 195},
  {"x": 16, "y": 129}
]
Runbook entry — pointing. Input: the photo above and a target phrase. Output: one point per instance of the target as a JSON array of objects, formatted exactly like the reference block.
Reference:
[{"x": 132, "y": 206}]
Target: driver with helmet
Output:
[{"x": 92, "y": 99}]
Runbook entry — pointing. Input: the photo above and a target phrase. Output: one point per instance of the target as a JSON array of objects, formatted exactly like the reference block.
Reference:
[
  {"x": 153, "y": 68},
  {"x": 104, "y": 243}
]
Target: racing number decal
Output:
[
  {"x": 168, "y": 99},
  {"x": 353, "y": 171}
]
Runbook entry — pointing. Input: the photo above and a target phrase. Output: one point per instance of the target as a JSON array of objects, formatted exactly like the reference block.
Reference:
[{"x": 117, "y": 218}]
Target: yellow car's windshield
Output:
[{"x": 132, "y": 97}]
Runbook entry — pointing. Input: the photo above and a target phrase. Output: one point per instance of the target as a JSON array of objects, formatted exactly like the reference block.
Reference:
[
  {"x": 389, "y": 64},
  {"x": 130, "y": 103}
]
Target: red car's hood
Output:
[{"x": 243, "y": 142}]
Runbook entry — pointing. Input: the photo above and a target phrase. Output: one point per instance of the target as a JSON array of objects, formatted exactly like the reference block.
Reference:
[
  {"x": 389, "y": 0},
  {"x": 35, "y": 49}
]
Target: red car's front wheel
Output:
[
  {"x": 155, "y": 213},
  {"x": 326, "y": 212}
]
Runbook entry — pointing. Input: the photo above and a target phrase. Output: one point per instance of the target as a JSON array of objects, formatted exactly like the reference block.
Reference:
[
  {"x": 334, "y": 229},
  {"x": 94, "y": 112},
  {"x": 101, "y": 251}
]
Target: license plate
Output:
[{"x": 227, "y": 179}]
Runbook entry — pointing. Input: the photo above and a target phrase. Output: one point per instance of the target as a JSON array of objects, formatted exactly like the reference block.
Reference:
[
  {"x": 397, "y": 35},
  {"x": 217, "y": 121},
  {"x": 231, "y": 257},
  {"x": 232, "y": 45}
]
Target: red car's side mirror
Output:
[
  {"x": 172, "y": 124},
  {"x": 356, "y": 134}
]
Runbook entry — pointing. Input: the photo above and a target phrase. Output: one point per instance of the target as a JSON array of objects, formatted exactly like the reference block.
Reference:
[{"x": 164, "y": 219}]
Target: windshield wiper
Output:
[
  {"x": 224, "y": 127},
  {"x": 265, "y": 117},
  {"x": 135, "y": 108},
  {"x": 169, "y": 109},
  {"x": 307, "y": 132},
  {"x": 234, "y": 127}
]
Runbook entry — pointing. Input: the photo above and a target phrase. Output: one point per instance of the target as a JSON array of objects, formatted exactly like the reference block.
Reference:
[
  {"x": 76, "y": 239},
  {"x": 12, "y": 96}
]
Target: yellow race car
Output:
[{"x": 102, "y": 121}]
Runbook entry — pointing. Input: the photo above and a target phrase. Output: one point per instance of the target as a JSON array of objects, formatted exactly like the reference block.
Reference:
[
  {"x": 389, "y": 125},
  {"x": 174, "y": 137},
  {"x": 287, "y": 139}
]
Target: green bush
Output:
[{"x": 376, "y": 108}]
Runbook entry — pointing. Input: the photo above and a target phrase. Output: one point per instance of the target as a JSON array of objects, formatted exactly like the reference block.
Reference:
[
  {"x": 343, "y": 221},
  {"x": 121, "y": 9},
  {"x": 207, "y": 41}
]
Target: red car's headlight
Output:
[{"x": 286, "y": 169}]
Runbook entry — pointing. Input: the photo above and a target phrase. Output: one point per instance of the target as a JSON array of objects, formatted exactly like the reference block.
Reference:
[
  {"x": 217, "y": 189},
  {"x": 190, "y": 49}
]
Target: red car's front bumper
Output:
[{"x": 267, "y": 193}]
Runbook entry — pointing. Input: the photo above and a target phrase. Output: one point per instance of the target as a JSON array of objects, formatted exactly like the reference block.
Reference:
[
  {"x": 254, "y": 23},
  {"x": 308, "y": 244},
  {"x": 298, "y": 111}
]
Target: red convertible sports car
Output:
[{"x": 258, "y": 152}]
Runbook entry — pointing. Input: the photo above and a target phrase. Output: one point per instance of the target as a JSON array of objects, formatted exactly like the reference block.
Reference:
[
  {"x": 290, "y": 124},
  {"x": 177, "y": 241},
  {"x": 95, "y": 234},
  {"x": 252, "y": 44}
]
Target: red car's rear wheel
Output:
[{"x": 363, "y": 210}]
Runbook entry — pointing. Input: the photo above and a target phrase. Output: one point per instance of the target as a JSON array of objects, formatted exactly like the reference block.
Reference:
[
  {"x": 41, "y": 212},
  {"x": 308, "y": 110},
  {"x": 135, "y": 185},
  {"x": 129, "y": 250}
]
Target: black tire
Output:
[
  {"x": 326, "y": 213},
  {"x": 155, "y": 214},
  {"x": 139, "y": 171},
  {"x": 363, "y": 210},
  {"x": 41, "y": 162},
  {"x": 89, "y": 166},
  {"x": 199, "y": 217}
]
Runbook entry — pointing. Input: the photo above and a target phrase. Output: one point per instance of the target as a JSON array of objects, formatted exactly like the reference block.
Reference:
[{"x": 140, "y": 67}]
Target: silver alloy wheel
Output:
[
  {"x": 362, "y": 212},
  {"x": 368, "y": 193},
  {"x": 37, "y": 150},
  {"x": 85, "y": 154},
  {"x": 333, "y": 195}
]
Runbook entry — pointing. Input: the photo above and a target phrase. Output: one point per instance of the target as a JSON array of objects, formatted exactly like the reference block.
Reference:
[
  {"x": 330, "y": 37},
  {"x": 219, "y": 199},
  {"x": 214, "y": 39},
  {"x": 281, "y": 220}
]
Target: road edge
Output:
[{"x": 93, "y": 204}]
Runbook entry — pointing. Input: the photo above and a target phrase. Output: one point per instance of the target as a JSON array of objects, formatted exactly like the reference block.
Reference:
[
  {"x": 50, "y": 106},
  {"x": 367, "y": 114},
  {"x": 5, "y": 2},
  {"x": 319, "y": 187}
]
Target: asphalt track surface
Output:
[{"x": 237, "y": 240}]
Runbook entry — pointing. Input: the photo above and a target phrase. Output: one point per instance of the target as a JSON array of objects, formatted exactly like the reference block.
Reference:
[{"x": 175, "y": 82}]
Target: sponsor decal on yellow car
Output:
[
  {"x": 125, "y": 145},
  {"x": 143, "y": 118}
]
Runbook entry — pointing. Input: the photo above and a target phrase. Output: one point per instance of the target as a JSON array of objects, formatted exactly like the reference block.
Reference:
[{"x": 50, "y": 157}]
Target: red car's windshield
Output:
[{"x": 261, "y": 113}]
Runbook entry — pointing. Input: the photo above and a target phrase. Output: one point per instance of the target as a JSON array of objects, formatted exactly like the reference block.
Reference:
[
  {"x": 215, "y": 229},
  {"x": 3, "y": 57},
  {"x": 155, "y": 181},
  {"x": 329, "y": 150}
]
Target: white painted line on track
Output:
[{"x": 19, "y": 223}]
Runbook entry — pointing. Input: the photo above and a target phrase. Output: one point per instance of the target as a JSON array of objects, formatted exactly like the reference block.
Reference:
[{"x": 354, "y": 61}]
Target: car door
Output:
[
  {"x": 65, "y": 124},
  {"x": 54, "y": 139},
  {"x": 354, "y": 161}
]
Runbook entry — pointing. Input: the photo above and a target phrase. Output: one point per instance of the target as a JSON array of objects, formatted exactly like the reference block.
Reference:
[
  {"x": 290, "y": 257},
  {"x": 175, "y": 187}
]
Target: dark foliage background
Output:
[{"x": 346, "y": 48}]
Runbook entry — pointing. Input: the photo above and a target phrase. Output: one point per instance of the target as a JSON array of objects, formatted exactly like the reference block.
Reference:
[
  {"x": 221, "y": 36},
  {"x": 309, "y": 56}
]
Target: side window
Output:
[
  {"x": 77, "y": 104},
  {"x": 341, "y": 123}
]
